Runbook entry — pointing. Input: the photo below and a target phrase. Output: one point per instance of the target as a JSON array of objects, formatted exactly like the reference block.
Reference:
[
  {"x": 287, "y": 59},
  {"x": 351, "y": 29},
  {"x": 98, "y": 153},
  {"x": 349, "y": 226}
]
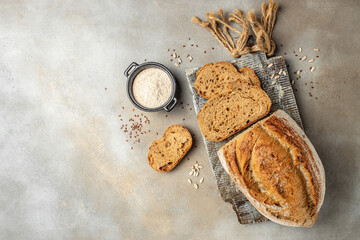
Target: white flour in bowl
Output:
[{"x": 152, "y": 87}]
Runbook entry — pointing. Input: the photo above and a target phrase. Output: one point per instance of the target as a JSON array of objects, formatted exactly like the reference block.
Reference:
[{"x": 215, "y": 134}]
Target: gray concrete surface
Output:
[{"x": 66, "y": 169}]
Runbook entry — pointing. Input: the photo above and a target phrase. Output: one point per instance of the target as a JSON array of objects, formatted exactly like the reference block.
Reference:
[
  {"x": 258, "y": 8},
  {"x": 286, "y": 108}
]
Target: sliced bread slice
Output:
[
  {"x": 166, "y": 152},
  {"x": 248, "y": 75},
  {"x": 228, "y": 113},
  {"x": 215, "y": 78}
]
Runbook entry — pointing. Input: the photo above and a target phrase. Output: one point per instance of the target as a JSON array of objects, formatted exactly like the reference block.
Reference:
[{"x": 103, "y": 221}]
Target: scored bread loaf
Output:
[
  {"x": 227, "y": 113},
  {"x": 215, "y": 78},
  {"x": 277, "y": 168},
  {"x": 166, "y": 152}
]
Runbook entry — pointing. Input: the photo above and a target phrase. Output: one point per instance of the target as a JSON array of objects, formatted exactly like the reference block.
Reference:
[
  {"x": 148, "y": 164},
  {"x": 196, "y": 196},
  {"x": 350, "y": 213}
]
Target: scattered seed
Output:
[
  {"x": 272, "y": 76},
  {"x": 174, "y": 55},
  {"x": 270, "y": 65},
  {"x": 280, "y": 72},
  {"x": 183, "y": 45},
  {"x": 316, "y": 49},
  {"x": 200, "y": 166},
  {"x": 196, "y": 186},
  {"x": 284, "y": 73},
  {"x": 300, "y": 49},
  {"x": 303, "y": 58},
  {"x": 177, "y": 65},
  {"x": 190, "y": 173},
  {"x": 273, "y": 82},
  {"x": 190, "y": 58},
  {"x": 312, "y": 69},
  {"x": 179, "y": 60},
  {"x": 298, "y": 72},
  {"x": 311, "y": 60},
  {"x": 276, "y": 77},
  {"x": 201, "y": 180},
  {"x": 189, "y": 180},
  {"x": 293, "y": 82}
]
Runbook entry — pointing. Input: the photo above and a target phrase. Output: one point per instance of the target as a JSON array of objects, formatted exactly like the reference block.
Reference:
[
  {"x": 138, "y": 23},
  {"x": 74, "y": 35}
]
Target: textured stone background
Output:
[{"x": 66, "y": 170}]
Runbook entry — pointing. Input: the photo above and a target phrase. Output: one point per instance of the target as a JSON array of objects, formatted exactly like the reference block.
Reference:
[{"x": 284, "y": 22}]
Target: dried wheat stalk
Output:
[{"x": 219, "y": 26}]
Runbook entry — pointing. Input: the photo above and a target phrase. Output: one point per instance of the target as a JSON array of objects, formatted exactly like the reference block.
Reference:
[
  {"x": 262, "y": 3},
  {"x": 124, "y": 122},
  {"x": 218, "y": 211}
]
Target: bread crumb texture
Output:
[
  {"x": 166, "y": 152},
  {"x": 215, "y": 78},
  {"x": 226, "y": 114}
]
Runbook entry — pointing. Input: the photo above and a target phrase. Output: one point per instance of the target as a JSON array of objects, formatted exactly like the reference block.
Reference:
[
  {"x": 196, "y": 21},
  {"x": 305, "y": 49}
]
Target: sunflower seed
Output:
[
  {"x": 189, "y": 180},
  {"x": 312, "y": 69},
  {"x": 196, "y": 186},
  {"x": 303, "y": 58},
  {"x": 196, "y": 165},
  {"x": 270, "y": 65},
  {"x": 316, "y": 49},
  {"x": 311, "y": 60},
  {"x": 177, "y": 65},
  {"x": 174, "y": 55},
  {"x": 201, "y": 180},
  {"x": 276, "y": 77},
  {"x": 300, "y": 49},
  {"x": 280, "y": 71},
  {"x": 273, "y": 82},
  {"x": 284, "y": 73},
  {"x": 272, "y": 76},
  {"x": 200, "y": 166},
  {"x": 190, "y": 173},
  {"x": 298, "y": 72},
  {"x": 190, "y": 58},
  {"x": 179, "y": 60},
  {"x": 293, "y": 82}
]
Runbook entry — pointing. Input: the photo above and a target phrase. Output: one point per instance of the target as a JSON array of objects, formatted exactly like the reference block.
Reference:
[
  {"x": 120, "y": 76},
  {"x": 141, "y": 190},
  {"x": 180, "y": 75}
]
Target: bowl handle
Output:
[
  {"x": 133, "y": 64},
  {"x": 171, "y": 105}
]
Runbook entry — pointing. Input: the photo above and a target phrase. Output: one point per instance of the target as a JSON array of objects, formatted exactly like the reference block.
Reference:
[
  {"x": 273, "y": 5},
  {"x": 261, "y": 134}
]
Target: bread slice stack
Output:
[
  {"x": 236, "y": 100},
  {"x": 166, "y": 152},
  {"x": 277, "y": 168}
]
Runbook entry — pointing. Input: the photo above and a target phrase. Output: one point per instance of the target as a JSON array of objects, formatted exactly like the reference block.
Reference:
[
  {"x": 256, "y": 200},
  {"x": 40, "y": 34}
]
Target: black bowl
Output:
[{"x": 133, "y": 70}]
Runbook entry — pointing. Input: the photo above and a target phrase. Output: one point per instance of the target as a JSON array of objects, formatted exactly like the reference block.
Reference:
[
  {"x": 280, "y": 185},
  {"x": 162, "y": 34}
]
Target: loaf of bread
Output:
[
  {"x": 227, "y": 113},
  {"x": 216, "y": 78},
  {"x": 166, "y": 152},
  {"x": 277, "y": 168}
]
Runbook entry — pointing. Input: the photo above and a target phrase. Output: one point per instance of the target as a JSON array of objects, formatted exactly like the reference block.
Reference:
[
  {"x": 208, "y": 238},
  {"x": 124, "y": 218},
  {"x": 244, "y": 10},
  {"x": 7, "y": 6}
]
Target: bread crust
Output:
[
  {"x": 166, "y": 152},
  {"x": 290, "y": 211}
]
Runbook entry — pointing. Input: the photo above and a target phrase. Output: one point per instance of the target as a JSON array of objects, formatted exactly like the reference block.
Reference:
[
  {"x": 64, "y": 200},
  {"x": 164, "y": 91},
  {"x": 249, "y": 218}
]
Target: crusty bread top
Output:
[
  {"x": 227, "y": 113},
  {"x": 166, "y": 152},
  {"x": 276, "y": 167},
  {"x": 213, "y": 79}
]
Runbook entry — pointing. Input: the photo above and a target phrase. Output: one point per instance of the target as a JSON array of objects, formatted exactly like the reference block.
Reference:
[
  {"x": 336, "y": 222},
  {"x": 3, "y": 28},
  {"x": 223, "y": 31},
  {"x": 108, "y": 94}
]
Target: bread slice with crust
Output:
[
  {"x": 227, "y": 113},
  {"x": 166, "y": 152},
  {"x": 248, "y": 75},
  {"x": 215, "y": 78},
  {"x": 277, "y": 168}
]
